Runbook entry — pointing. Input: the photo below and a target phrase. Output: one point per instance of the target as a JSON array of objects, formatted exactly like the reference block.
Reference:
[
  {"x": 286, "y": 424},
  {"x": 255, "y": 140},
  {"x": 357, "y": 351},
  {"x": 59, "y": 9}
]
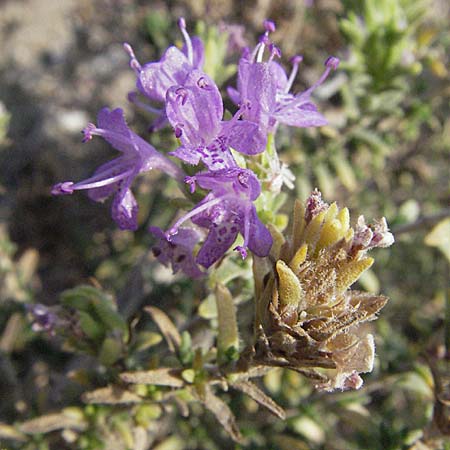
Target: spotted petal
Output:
[
  {"x": 178, "y": 251},
  {"x": 220, "y": 239},
  {"x": 195, "y": 109},
  {"x": 124, "y": 208}
]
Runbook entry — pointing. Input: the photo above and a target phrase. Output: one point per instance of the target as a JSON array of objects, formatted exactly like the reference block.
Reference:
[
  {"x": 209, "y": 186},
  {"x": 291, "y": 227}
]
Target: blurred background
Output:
[{"x": 386, "y": 152}]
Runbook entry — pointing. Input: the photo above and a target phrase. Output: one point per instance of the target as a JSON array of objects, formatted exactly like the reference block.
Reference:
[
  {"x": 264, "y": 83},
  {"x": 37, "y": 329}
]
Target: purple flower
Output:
[
  {"x": 226, "y": 211},
  {"x": 178, "y": 251},
  {"x": 115, "y": 177},
  {"x": 155, "y": 78},
  {"x": 43, "y": 318},
  {"x": 195, "y": 111},
  {"x": 265, "y": 87}
]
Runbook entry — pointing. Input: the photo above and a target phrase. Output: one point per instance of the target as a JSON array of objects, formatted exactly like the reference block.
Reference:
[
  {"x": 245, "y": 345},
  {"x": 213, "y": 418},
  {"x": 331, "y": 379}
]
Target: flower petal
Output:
[
  {"x": 260, "y": 239},
  {"x": 178, "y": 251},
  {"x": 279, "y": 75},
  {"x": 257, "y": 87},
  {"x": 186, "y": 154},
  {"x": 244, "y": 136},
  {"x": 156, "y": 78},
  {"x": 234, "y": 95},
  {"x": 219, "y": 240},
  {"x": 305, "y": 115},
  {"x": 124, "y": 208},
  {"x": 198, "y": 52},
  {"x": 195, "y": 109},
  {"x": 113, "y": 127}
]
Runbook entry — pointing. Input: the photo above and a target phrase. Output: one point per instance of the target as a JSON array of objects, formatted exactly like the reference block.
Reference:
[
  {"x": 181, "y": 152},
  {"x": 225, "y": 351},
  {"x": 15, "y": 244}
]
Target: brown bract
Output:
[{"x": 307, "y": 317}]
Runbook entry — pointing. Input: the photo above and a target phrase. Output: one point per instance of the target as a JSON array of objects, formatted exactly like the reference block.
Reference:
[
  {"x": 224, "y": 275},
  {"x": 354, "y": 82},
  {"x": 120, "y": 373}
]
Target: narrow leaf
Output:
[
  {"x": 111, "y": 395},
  {"x": 165, "y": 376},
  {"x": 52, "y": 422},
  {"x": 227, "y": 336},
  {"x": 222, "y": 413},
  {"x": 167, "y": 327},
  {"x": 253, "y": 391}
]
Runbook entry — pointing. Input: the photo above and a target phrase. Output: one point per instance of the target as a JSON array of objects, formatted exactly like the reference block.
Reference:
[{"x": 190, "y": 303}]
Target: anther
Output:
[
  {"x": 64, "y": 188},
  {"x": 178, "y": 130},
  {"x": 332, "y": 62},
  {"x": 203, "y": 84},
  {"x": 181, "y": 95},
  {"x": 274, "y": 51},
  {"x": 187, "y": 39},
  {"x": 134, "y": 63},
  {"x": 264, "y": 39},
  {"x": 191, "y": 182},
  {"x": 87, "y": 132},
  {"x": 243, "y": 179},
  {"x": 269, "y": 26},
  {"x": 297, "y": 59}
]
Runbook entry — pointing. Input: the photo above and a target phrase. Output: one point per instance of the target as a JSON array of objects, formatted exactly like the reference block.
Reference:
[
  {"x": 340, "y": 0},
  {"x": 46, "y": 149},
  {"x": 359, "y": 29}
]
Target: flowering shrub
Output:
[{"x": 307, "y": 318}]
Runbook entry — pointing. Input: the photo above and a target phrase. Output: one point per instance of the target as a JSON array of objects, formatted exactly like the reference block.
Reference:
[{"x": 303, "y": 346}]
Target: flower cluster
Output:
[
  {"x": 307, "y": 317},
  {"x": 182, "y": 95}
]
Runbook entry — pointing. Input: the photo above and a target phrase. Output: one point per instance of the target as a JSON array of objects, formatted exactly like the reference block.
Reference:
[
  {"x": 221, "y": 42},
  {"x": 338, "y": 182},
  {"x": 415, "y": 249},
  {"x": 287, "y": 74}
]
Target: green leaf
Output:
[
  {"x": 110, "y": 351},
  {"x": 91, "y": 327},
  {"x": 105, "y": 309}
]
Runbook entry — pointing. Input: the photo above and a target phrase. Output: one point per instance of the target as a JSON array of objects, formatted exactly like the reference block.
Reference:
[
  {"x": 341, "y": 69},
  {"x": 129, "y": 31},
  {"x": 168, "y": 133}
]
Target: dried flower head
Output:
[{"x": 307, "y": 316}]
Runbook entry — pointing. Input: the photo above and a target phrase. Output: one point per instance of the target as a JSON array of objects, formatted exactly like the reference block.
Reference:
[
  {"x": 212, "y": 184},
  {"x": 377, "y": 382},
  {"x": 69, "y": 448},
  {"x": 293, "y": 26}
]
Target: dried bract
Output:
[{"x": 307, "y": 316}]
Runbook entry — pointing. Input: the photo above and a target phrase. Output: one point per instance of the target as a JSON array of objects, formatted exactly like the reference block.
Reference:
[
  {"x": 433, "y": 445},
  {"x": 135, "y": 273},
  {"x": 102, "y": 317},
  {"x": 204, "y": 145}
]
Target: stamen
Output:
[
  {"x": 187, "y": 39},
  {"x": 98, "y": 180},
  {"x": 240, "y": 112},
  {"x": 263, "y": 42},
  {"x": 178, "y": 130},
  {"x": 274, "y": 51},
  {"x": 174, "y": 229},
  {"x": 64, "y": 188},
  {"x": 269, "y": 26},
  {"x": 133, "y": 98},
  {"x": 295, "y": 60},
  {"x": 181, "y": 96},
  {"x": 255, "y": 52},
  {"x": 331, "y": 63},
  {"x": 242, "y": 250},
  {"x": 191, "y": 181},
  {"x": 134, "y": 63},
  {"x": 203, "y": 84},
  {"x": 243, "y": 178},
  {"x": 88, "y": 132}
]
